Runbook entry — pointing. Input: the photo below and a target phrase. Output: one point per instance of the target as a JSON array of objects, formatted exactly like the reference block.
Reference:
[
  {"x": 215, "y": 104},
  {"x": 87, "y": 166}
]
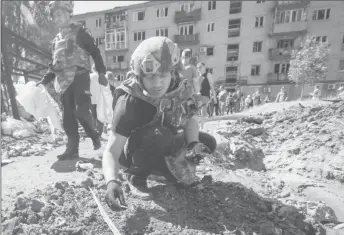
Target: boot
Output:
[
  {"x": 92, "y": 133},
  {"x": 138, "y": 187},
  {"x": 72, "y": 150}
]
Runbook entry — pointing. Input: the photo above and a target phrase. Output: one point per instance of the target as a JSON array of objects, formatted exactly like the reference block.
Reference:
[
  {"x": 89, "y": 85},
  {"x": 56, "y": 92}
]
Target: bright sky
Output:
[{"x": 81, "y": 7}]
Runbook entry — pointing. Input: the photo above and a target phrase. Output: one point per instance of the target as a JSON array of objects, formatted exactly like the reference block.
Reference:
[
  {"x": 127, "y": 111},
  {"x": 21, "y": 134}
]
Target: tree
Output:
[{"x": 308, "y": 64}]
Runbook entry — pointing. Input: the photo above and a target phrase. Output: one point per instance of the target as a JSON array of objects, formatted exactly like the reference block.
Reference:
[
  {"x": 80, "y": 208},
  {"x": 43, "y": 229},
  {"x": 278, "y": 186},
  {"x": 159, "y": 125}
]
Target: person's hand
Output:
[
  {"x": 114, "y": 192},
  {"x": 46, "y": 79},
  {"x": 102, "y": 79}
]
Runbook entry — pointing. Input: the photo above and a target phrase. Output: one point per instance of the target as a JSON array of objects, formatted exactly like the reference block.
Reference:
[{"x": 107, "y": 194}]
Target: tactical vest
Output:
[
  {"x": 67, "y": 57},
  {"x": 172, "y": 107}
]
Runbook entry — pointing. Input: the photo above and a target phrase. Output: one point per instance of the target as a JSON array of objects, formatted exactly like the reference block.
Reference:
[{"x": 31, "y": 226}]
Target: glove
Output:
[
  {"x": 46, "y": 79},
  {"x": 102, "y": 79},
  {"x": 114, "y": 192}
]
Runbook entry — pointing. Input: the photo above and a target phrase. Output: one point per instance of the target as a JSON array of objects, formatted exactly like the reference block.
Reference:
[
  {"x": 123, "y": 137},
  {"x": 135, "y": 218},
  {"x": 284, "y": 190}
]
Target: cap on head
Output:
[
  {"x": 155, "y": 54},
  {"x": 66, "y": 5}
]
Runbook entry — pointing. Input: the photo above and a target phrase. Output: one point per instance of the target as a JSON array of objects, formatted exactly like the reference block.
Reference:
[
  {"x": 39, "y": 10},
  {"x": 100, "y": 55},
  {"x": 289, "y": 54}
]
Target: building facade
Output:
[{"x": 241, "y": 42}]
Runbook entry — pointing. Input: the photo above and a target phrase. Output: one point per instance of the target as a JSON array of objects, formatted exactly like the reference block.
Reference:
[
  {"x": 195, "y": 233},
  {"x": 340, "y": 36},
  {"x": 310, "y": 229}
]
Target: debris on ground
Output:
[{"x": 238, "y": 191}]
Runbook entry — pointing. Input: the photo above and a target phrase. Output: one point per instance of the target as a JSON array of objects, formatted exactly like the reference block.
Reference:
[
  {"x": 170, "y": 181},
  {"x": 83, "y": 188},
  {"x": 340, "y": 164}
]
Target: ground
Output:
[{"x": 280, "y": 173}]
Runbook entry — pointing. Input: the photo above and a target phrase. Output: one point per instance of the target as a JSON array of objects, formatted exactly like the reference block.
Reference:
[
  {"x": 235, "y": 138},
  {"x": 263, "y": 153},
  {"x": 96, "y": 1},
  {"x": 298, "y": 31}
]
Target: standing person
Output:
[
  {"x": 189, "y": 71},
  {"x": 257, "y": 98},
  {"x": 111, "y": 79},
  {"x": 222, "y": 100},
  {"x": 230, "y": 102},
  {"x": 216, "y": 105},
  {"x": 282, "y": 95},
  {"x": 206, "y": 87},
  {"x": 140, "y": 140},
  {"x": 95, "y": 90},
  {"x": 239, "y": 102},
  {"x": 267, "y": 99},
  {"x": 316, "y": 93},
  {"x": 71, "y": 70},
  {"x": 210, "y": 107},
  {"x": 248, "y": 102}
]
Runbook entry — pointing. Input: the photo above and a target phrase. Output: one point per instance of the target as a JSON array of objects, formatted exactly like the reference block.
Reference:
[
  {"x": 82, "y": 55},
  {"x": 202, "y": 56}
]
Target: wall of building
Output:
[{"x": 333, "y": 28}]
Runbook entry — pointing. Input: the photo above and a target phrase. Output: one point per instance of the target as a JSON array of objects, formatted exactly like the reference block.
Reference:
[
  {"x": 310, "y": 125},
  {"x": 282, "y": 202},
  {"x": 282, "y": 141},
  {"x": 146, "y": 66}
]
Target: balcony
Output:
[
  {"x": 114, "y": 20},
  {"x": 119, "y": 65},
  {"x": 116, "y": 25},
  {"x": 280, "y": 53},
  {"x": 293, "y": 30},
  {"x": 184, "y": 17},
  {"x": 110, "y": 46},
  {"x": 187, "y": 39},
  {"x": 291, "y": 5}
]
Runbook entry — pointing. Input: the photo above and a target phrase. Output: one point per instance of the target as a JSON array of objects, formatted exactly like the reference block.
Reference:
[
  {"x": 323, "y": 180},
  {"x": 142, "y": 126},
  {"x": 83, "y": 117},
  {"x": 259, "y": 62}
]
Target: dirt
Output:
[{"x": 283, "y": 176}]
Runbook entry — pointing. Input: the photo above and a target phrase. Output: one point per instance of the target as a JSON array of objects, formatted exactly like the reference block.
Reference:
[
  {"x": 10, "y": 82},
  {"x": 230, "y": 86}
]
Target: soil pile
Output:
[
  {"x": 207, "y": 208},
  {"x": 301, "y": 140}
]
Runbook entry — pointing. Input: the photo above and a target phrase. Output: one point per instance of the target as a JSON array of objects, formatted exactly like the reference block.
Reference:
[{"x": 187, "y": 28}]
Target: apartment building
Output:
[
  {"x": 95, "y": 23},
  {"x": 241, "y": 42}
]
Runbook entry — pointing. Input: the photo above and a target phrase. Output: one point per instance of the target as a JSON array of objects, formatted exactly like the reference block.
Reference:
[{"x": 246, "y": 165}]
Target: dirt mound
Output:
[
  {"x": 207, "y": 208},
  {"x": 303, "y": 140}
]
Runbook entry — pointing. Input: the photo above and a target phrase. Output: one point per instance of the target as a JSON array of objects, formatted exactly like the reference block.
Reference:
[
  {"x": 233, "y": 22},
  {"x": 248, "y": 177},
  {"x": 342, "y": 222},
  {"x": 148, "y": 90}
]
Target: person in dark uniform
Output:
[
  {"x": 206, "y": 87},
  {"x": 70, "y": 70},
  {"x": 139, "y": 142}
]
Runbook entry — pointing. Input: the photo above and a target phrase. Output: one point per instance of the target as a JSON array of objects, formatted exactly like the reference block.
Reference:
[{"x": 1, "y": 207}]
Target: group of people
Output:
[{"x": 142, "y": 131}]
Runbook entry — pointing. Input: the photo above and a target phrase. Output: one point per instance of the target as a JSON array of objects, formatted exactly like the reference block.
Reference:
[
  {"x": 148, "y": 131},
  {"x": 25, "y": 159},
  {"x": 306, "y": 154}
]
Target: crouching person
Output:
[{"x": 141, "y": 137}]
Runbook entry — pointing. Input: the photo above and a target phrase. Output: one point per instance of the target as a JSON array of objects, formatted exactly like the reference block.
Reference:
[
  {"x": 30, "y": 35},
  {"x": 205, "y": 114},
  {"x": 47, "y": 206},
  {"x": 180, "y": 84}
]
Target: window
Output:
[
  {"x": 115, "y": 39},
  {"x": 285, "y": 43},
  {"x": 260, "y": 1},
  {"x": 211, "y": 27},
  {"x": 99, "y": 41},
  {"x": 98, "y": 22},
  {"x": 210, "y": 51},
  {"x": 163, "y": 32},
  {"x": 259, "y": 21},
  {"x": 211, "y": 5},
  {"x": 232, "y": 52},
  {"x": 322, "y": 14},
  {"x": 117, "y": 58},
  {"x": 210, "y": 70},
  {"x": 235, "y": 7},
  {"x": 187, "y": 7},
  {"x": 321, "y": 39},
  {"x": 231, "y": 73},
  {"x": 281, "y": 68},
  {"x": 186, "y": 29},
  {"x": 331, "y": 86},
  {"x": 139, "y": 36},
  {"x": 290, "y": 16},
  {"x": 255, "y": 70},
  {"x": 341, "y": 65},
  {"x": 267, "y": 89},
  {"x": 162, "y": 12},
  {"x": 120, "y": 77},
  {"x": 234, "y": 28},
  {"x": 257, "y": 46},
  {"x": 138, "y": 16}
]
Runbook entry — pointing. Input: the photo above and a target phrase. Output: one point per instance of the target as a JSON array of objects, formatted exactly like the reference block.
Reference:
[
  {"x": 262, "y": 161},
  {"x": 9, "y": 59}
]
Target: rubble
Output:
[{"x": 305, "y": 141}]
